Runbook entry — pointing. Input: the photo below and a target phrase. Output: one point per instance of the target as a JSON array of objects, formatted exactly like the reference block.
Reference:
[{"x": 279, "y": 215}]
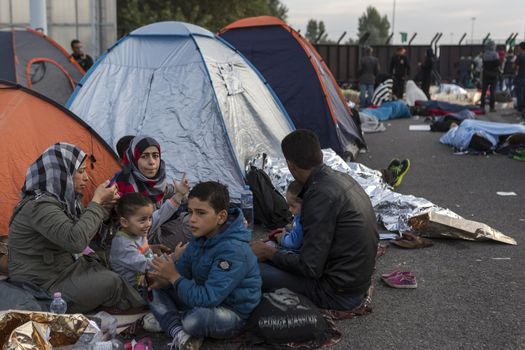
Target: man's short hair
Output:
[
  {"x": 213, "y": 192},
  {"x": 522, "y": 45},
  {"x": 74, "y": 42},
  {"x": 123, "y": 144},
  {"x": 302, "y": 148},
  {"x": 129, "y": 203}
]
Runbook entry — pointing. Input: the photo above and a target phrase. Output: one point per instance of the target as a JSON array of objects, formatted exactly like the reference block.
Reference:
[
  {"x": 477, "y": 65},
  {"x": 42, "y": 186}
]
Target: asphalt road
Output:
[{"x": 470, "y": 295}]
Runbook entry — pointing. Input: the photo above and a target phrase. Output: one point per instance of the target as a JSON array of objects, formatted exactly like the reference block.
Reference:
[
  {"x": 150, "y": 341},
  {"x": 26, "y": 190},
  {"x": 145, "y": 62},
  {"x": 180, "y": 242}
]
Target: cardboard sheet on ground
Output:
[
  {"x": 25, "y": 330},
  {"x": 437, "y": 225}
]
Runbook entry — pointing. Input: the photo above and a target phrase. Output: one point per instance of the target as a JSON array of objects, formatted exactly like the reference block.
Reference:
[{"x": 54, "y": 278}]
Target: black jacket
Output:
[
  {"x": 340, "y": 234},
  {"x": 400, "y": 66}
]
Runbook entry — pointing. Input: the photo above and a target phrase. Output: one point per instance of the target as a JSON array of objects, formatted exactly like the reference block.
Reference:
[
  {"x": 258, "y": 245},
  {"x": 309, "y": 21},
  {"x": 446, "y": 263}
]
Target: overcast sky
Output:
[{"x": 426, "y": 17}]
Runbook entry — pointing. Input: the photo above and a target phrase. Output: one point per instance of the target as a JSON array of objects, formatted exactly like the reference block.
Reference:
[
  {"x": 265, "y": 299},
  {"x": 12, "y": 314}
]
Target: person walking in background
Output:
[
  {"x": 508, "y": 71},
  {"x": 519, "y": 82},
  {"x": 465, "y": 66},
  {"x": 490, "y": 75},
  {"x": 368, "y": 69},
  {"x": 400, "y": 69},
  {"x": 427, "y": 68},
  {"x": 84, "y": 60}
]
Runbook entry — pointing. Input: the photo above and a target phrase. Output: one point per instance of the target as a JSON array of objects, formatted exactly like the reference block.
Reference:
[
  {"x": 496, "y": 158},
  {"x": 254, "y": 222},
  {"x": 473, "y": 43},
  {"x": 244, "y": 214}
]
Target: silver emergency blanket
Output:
[
  {"x": 392, "y": 209},
  {"x": 203, "y": 102}
]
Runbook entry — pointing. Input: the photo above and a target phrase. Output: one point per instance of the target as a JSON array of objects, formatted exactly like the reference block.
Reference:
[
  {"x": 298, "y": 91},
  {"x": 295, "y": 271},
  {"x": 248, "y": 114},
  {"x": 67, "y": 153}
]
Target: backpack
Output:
[
  {"x": 269, "y": 206},
  {"x": 284, "y": 317}
]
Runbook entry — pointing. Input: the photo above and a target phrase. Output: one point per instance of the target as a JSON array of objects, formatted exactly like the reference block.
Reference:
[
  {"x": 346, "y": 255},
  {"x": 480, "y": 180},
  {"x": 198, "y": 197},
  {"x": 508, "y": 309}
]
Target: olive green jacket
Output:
[{"x": 43, "y": 238}]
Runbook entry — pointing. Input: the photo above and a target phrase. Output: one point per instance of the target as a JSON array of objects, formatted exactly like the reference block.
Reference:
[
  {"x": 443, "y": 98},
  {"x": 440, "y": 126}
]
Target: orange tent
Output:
[{"x": 29, "y": 124}]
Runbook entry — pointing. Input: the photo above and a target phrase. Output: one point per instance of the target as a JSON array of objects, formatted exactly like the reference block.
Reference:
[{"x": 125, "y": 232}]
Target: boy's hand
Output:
[
  {"x": 164, "y": 268},
  {"x": 179, "y": 250},
  {"x": 156, "y": 282}
]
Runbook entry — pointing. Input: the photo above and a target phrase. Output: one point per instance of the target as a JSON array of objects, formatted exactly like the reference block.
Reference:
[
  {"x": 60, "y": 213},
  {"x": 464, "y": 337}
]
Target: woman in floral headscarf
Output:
[
  {"x": 49, "y": 229},
  {"x": 144, "y": 171}
]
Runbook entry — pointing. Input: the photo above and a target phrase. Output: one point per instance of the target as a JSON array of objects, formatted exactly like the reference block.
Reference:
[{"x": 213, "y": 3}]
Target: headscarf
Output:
[
  {"x": 132, "y": 180},
  {"x": 52, "y": 173}
]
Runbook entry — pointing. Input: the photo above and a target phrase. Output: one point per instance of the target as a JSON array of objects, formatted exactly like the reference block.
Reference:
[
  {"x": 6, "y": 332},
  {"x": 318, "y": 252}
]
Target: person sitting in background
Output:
[
  {"x": 84, "y": 60},
  {"x": 49, "y": 227}
]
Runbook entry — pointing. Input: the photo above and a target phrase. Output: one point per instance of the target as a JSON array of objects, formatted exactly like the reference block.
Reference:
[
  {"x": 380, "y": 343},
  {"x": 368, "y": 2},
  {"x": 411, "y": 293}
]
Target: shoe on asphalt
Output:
[
  {"x": 400, "y": 281},
  {"x": 150, "y": 323},
  {"x": 397, "y": 273},
  {"x": 184, "y": 341},
  {"x": 394, "y": 163},
  {"x": 399, "y": 172}
]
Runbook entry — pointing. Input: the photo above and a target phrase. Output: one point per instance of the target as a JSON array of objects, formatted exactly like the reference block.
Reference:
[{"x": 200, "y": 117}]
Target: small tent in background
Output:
[
  {"x": 204, "y": 103},
  {"x": 36, "y": 61},
  {"x": 300, "y": 78},
  {"x": 29, "y": 124}
]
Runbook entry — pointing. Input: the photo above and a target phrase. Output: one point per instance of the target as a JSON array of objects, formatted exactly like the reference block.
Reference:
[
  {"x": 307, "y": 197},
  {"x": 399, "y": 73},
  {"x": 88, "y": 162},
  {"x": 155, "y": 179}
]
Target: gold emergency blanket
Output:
[{"x": 26, "y": 330}]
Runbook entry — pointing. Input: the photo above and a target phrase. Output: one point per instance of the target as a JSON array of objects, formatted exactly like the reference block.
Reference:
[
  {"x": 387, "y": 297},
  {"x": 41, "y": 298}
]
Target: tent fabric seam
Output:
[{"x": 225, "y": 130}]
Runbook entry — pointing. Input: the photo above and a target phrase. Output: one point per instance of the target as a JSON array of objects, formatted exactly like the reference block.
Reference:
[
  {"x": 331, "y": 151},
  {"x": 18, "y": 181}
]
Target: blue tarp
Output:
[
  {"x": 460, "y": 136},
  {"x": 389, "y": 110}
]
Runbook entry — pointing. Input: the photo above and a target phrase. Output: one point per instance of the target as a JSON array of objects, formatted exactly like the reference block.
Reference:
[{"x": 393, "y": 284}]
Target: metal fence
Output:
[{"x": 343, "y": 60}]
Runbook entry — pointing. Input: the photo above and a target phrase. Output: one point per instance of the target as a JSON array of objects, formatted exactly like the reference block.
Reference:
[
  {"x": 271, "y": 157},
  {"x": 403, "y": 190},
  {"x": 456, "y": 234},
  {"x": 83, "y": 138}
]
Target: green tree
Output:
[
  {"x": 372, "y": 22},
  {"x": 210, "y": 14},
  {"x": 314, "y": 29}
]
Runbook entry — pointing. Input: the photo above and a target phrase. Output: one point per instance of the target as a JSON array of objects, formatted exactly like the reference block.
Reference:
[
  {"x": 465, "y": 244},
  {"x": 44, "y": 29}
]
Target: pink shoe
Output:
[
  {"x": 397, "y": 273},
  {"x": 400, "y": 281}
]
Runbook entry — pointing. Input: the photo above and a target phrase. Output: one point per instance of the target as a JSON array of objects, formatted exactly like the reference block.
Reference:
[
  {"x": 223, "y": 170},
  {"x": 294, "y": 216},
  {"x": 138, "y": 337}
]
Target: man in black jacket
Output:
[
  {"x": 400, "y": 70},
  {"x": 337, "y": 258}
]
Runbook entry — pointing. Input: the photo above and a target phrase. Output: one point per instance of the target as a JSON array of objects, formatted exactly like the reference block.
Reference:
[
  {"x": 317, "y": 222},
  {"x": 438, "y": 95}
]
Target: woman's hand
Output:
[
  {"x": 182, "y": 187},
  {"x": 104, "y": 195}
]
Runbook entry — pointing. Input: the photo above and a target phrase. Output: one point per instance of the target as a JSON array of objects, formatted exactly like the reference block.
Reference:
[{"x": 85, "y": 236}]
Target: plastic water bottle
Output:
[
  {"x": 58, "y": 305},
  {"x": 247, "y": 205}
]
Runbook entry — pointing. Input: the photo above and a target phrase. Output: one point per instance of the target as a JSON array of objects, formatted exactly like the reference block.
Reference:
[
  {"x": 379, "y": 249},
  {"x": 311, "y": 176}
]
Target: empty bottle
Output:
[
  {"x": 58, "y": 305},
  {"x": 247, "y": 205}
]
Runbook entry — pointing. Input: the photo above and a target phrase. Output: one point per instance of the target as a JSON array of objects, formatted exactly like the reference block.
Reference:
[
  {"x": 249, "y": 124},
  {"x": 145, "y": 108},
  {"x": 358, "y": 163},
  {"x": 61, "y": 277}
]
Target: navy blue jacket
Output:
[{"x": 221, "y": 270}]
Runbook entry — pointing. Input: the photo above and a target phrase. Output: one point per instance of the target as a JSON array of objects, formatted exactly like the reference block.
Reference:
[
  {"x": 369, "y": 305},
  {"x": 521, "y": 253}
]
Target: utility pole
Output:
[
  {"x": 472, "y": 31},
  {"x": 394, "y": 19}
]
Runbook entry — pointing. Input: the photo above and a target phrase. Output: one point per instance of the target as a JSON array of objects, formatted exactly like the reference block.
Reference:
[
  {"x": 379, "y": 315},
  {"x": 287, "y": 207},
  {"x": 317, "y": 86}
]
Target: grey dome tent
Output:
[
  {"x": 210, "y": 110},
  {"x": 35, "y": 61}
]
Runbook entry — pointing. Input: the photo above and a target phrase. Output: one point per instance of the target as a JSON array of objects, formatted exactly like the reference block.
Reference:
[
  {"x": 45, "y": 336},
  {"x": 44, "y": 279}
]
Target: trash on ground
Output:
[
  {"x": 419, "y": 127},
  {"x": 436, "y": 225},
  {"x": 506, "y": 194},
  {"x": 24, "y": 330}
]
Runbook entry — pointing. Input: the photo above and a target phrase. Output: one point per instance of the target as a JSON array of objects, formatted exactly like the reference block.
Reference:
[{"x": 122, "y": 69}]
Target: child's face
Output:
[
  {"x": 139, "y": 223},
  {"x": 294, "y": 203},
  {"x": 149, "y": 162},
  {"x": 204, "y": 221}
]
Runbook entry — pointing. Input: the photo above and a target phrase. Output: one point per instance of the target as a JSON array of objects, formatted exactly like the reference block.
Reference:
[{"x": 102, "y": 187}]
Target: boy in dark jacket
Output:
[{"x": 215, "y": 283}]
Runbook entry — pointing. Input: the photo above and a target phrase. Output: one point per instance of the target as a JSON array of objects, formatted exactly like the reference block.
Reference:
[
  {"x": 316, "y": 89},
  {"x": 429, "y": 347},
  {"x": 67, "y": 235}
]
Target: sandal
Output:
[{"x": 411, "y": 241}]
